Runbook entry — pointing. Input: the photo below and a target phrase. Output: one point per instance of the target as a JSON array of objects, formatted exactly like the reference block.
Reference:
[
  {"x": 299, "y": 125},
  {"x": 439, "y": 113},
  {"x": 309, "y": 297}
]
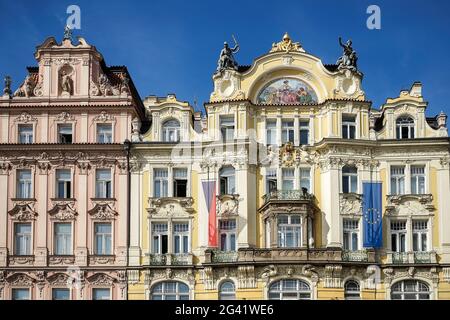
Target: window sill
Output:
[
  {"x": 23, "y": 199},
  {"x": 63, "y": 199},
  {"x": 103, "y": 199}
]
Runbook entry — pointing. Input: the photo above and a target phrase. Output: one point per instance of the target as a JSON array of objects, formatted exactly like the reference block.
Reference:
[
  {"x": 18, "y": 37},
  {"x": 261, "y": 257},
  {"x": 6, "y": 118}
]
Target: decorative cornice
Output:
[{"x": 25, "y": 117}]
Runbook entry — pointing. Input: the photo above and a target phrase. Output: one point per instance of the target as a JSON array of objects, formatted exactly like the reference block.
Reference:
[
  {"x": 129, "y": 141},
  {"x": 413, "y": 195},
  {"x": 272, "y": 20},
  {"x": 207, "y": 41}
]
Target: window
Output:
[
  {"x": 181, "y": 237},
  {"x": 305, "y": 178},
  {"x": 287, "y": 131},
  {"x": 405, "y": 128},
  {"x": 20, "y": 294},
  {"x": 288, "y": 178},
  {"x": 171, "y": 131},
  {"x": 227, "y": 291},
  {"x": 25, "y": 133},
  {"x": 227, "y": 180},
  {"x": 349, "y": 179},
  {"x": 227, "y": 128},
  {"x": 398, "y": 236},
  {"x": 60, "y": 294},
  {"x": 410, "y": 290},
  {"x": 24, "y": 184},
  {"x": 417, "y": 179},
  {"x": 289, "y": 231},
  {"x": 159, "y": 236},
  {"x": 227, "y": 231},
  {"x": 170, "y": 290},
  {"x": 64, "y": 133},
  {"x": 101, "y": 294},
  {"x": 351, "y": 234},
  {"x": 103, "y": 183},
  {"x": 160, "y": 183},
  {"x": 420, "y": 235},
  {"x": 271, "y": 130},
  {"x": 22, "y": 239},
  {"x": 271, "y": 180},
  {"x": 348, "y": 127},
  {"x": 180, "y": 182},
  {"x": 63, "y": 183},
  {"x": 63, "y": 238},
  {"x": 103, "y": 238},
  {"x": 304, "y": 132},
  {"x": 104, "y": 133},
  {"x": 397, "y": 180},
  {"x": 289, "y": 289},
  {"x": 352, "y": 290}
]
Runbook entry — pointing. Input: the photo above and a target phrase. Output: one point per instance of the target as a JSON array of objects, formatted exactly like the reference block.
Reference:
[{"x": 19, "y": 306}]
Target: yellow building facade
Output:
[{"x": 272, "y": 193}]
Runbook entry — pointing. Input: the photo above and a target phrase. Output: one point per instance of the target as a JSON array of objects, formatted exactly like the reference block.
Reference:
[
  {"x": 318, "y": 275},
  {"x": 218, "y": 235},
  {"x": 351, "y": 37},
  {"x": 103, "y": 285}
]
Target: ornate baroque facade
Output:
[{"x": 291, "y": 186}]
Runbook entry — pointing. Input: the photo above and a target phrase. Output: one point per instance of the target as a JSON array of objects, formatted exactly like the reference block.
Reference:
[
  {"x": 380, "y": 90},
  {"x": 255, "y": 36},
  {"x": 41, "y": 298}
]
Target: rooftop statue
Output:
[
  {"x": 67, "y": 33},
  {"x": 286, "y": 45},
  {"x": 226, "y": 59},
  {"x": 7, "y": 89},
  {"x": 349, "y": 58}
]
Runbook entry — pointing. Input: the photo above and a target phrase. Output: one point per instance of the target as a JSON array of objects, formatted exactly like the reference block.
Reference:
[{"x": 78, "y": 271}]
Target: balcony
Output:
[
  {"x": 224, "y": 256},
  {"x": 288, "y": 195},
  {"x": 358, "y": 256},
  {"x": 412, "y": 257},
  {"x": 168, "y": 259}
]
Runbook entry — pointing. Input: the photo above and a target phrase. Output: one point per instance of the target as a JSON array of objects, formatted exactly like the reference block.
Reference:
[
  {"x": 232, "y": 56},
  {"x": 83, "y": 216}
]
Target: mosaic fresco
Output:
[{"x": 287, "y": 91}]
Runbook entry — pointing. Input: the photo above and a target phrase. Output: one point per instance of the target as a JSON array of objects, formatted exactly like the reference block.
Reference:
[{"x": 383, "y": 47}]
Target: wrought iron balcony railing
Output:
[
  {"x": 355, "y": 256},
  {"x": 168, "y": 259},
  {"x": 291, "y": 195},
  {"x": 224, "y": 256}
]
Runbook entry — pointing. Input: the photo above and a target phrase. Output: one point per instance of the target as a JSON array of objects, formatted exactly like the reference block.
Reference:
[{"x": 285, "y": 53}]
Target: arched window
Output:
[
  {"x": 170, "y": 290},
  {"x": 227, "y": 180},
  {"x": 290, "y": 289},
  {"x": 405, "y": 127},
  {"x": 349, "y": 179},
  {"x": 410, "y": 290},
  {"x": 352, "y": 290},
  {"x": 171, "y": 131},
  {"x": 227, "y": 291}
]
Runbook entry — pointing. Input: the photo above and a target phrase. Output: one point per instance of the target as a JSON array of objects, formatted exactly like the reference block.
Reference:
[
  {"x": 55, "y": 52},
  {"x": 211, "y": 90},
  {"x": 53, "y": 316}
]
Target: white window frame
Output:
[
  {"x": 177, "y": 293},
  {"x": 399, "y": 126},
  {"x": 226, "y": 126},
  {"x": 167, "y": 131},
  {"x": 227, "y": 294},
  {"x": 303, "y": 178},
  {"x": 288, "y": 178},
  {"x": 161, "y": 180},
  {"x": 229, "y": 179},
  {"x": 104, "y": 184},
  {"x": 28, "y": 238},
  {"x": 282, "y": 230},
  {"x": 71, "y": 124},
  {"x": 103, "y": 253},
  {"x": 351, "y": 177},
  {"x": 181, "y": 235},
  {"x": 398, "y": 177},
  {"x": 351, "y": 231},
  {"x": 415, "y": 177},
  {"x": 298, "y": 291},
  {"x": 30, "y": 183},
  {"x": 303, "y": 127},
  {"x": 55, "y": 240},
  {"x": 273, "y": 132},
  {"x": 347, "y": 125},
  {"x": 421, "y": 232},
  {"x": 98, "y": 135},
  {"x": 65, "y": 185},
  {"x": 287, "y": 131},
  {"x": 398, "y": 234},
  {"x": 26, "y": 136},
  {"x": 228, "y": 234},
  {"x": 159, "y": 234}
]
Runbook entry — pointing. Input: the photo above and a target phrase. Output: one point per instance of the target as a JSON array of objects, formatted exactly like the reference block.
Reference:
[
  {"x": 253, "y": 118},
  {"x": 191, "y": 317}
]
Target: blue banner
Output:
[{"x": 372, "y": 215}]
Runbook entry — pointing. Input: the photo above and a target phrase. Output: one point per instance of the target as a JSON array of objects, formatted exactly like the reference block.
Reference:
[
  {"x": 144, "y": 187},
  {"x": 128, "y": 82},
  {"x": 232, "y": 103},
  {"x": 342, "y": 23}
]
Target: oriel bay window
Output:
[
  {"x": 62, "y": 238},
  {"x": 288, "y": 179},
  {"x": 227, "y": 180},
  {"x": 24, "y": 184},
  {"x": 103, "y": 183},
  {"x": 289, "y": 231},
  {"x": 227, "y": 234},
  {"x": 25, "y": 133},
  {"x": 63, "y": 183}
]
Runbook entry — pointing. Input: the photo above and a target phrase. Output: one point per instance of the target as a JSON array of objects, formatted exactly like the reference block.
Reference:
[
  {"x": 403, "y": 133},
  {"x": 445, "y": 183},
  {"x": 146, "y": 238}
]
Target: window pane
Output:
[
  {"x": 101, "y": 294},
  {"x": 20, "y": 294},
  {"x": 60, "y": 294}
]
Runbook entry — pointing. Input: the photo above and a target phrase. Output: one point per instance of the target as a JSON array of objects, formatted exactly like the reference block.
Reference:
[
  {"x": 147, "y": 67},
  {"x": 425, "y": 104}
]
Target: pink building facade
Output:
[{"x": 64, "y": 176}]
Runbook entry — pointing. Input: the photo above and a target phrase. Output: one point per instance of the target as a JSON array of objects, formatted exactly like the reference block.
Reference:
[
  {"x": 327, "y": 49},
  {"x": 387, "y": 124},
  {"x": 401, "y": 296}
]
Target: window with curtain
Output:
[
  {"x": 24, "y": 184},
  {"x": 271, "y": 132},
  {"x": 171, "y": 131},
  {"x": 22, "y": 239},
  {"x": 25, "y": 133},
  {"x": 397, "y": 180},
  {"x": 418, "y": 179},
  {"x": 405, "y": 127},
  {"x": 160, "y": 237},
  {"x": 289, "y": 231},
  {"x": 170, "y": 290},
  {"x": 63, "y": 238},
  {"x": 63, "y": 183},
  {"x": 180, "y": 237},
  {"x": 227, "y": 291},
  {"x": 227, "y": 232},
  {"x": 349, "y": 179},
  {"x": 227, "y": 180},
  {"x": 288, "y": 179},
  {"x": 104, "y": 133},
  {"x": 103, "y": 183},
  {"x": 398, "y": 236},
  {"x": 351, "y": 234},
  {"x": 420, "y": 235},
  {"x": 160, "y": 183},
  {"x": 103, "y": 238},
  {"x": 290, "y": 289}
]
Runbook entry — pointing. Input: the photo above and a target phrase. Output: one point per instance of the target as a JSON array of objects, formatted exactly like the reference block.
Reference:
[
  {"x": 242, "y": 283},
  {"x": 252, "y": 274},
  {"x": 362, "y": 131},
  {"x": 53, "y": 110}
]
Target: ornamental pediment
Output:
[
  {"x": 103, "y": 211},
  {"x": 170, "y": 207},
  {"x": 101, "y": 279},
  {"x": 23, "y": 211},
  {"x": 410, "y": 205},
  {"x": 63, "y": 210}
]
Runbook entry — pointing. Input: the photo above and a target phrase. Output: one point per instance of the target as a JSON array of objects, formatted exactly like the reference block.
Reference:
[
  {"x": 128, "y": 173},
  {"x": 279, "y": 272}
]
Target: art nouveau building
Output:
[
  {"x": 292, "y": 186},
  {"x": 64, "y": 199}
]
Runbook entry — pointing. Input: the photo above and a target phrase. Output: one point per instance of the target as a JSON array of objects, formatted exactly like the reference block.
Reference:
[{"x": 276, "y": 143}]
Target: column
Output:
[
  {"x": 443, "y": 208},
  {"x": 136, "y": 194},
  {"x": 122, "y": 206},
  {"x": 4, "y": 175},
  {"x": 40, "y": 228},
  {"x": 296, "y": 129},
  {"x": 330, "y": 204},
  {"x": 83, "y": 221}
]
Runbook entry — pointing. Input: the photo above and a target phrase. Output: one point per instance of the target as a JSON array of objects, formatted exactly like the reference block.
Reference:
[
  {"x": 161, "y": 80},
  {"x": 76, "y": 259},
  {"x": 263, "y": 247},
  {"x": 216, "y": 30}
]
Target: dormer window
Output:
[
  {"x": 171, "y": 131},
  {"x": 65, "y": 133},
  {"x": 405, "y": 127}
]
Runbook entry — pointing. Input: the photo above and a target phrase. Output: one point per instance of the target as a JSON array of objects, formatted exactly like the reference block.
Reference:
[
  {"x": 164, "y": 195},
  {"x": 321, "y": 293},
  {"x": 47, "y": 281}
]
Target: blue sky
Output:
[{"x": 173, "y": 46}]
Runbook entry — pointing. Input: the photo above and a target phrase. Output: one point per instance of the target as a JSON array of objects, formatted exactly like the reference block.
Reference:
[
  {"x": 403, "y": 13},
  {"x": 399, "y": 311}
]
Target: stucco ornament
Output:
[
  {"x": 26, "y": 88},
  {"x": 289, "y": 155}
]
